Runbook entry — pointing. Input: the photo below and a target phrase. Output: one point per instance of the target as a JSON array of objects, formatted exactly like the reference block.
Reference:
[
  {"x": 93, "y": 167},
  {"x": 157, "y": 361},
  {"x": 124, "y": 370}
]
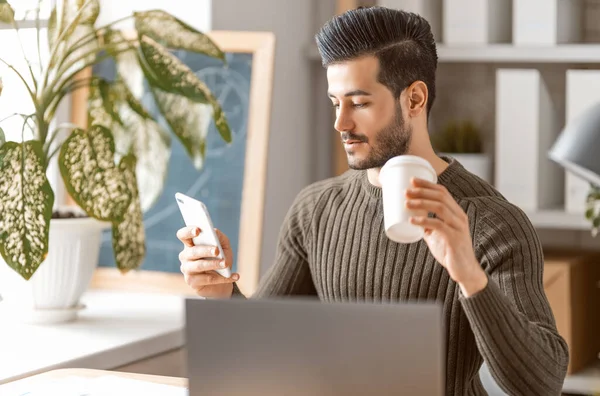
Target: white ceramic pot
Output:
[
  {"x": 478, "y": 164},
  {"x": 52, "y": 294}
]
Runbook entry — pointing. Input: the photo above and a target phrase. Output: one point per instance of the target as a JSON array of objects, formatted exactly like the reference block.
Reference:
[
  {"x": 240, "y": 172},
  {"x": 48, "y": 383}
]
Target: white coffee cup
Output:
[{"x": 394, "y": 178}]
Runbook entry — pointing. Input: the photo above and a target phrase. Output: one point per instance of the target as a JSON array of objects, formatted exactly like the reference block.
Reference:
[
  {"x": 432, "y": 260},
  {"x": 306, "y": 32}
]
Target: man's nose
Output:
[{"x": 343, "y": 121}]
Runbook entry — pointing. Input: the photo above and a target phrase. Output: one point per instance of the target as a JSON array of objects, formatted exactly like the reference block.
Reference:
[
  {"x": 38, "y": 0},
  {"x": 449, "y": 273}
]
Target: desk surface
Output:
[
  {"x": 29, "y": 382},
  {"x": 115, "y": 329}
]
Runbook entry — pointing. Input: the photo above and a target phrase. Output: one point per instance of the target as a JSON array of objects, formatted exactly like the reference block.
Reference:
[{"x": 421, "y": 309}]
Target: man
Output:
[{"x": 480, "y": 256}]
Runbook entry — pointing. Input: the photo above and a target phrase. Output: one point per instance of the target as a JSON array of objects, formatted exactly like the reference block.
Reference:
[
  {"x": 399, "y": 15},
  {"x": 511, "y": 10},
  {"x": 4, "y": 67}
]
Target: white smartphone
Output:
[{"x": 195, "y": 214}]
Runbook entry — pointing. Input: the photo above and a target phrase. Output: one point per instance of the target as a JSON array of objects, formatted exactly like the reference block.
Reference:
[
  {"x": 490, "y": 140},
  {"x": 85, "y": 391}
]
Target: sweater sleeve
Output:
[
  {"x": 290, "y": 273},
  {"x": 511, "y": 318}
]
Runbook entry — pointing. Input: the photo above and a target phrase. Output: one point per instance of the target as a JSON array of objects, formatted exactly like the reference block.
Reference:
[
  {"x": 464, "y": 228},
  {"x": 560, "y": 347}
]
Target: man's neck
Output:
[{"x": 439, "y": 165}]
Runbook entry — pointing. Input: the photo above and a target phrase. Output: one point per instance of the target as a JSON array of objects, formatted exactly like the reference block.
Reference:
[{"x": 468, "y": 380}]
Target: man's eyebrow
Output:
[{"x": 356, "y": 92}]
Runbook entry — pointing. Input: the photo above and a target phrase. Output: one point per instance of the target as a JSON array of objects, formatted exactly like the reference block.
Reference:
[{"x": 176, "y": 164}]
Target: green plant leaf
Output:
[
  {"x": 165, "y": 71},
  {"x": 188, "y": 120},
  {"x": 139, "y": 134},
  {"x": 128, "y": 236},
  {"x": 109, "y": 98},
  {"x": 70, "y": 12},
  {"x": 182, "y": 98},
  {"x": 7, "y": 14},
  {"x": 86, "y": 163},
  {"x": 2, "y": 137},
  {"x": 74, "y": 24},
  {"x": 589, "y": 213},
  {"x": 99, "y": 115},
  {"x": 26, "y": 201},
  {"x": 220, "y": 120},
  {"x": 174, "y": 33},
  {"x": 151, "y": 145}
]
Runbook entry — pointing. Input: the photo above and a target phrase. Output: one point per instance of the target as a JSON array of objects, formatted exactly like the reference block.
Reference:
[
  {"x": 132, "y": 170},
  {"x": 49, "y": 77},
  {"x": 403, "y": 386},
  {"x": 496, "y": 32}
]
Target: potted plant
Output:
[
  {"x": 113, "y": 169},
  {"x": 463, "y": 142},
  {"x": 592, "y": 212}
]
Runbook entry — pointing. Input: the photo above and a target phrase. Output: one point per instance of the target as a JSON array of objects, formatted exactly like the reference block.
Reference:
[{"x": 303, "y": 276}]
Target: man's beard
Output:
[{"x": 391, "y": 141}]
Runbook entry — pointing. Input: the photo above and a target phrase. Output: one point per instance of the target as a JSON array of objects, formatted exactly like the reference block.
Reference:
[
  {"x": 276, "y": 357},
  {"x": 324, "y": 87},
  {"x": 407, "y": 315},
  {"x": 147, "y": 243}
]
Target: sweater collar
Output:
[{"x": 445, "y": 178}]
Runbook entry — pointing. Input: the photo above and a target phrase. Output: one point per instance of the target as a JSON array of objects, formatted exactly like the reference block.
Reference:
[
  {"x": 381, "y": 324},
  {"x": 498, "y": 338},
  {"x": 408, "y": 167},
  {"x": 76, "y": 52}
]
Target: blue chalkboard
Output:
[{"x": 218, "y": 184}]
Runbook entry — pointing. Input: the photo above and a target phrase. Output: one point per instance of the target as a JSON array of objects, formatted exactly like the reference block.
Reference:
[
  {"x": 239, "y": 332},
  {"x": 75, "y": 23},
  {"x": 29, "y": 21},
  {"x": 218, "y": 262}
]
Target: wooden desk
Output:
[{"x": 26, "y": 383}]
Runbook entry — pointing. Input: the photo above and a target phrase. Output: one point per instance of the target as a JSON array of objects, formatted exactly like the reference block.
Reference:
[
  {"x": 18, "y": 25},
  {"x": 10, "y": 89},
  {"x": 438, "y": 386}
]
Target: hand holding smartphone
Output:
[{"x": 195, "y": 214}]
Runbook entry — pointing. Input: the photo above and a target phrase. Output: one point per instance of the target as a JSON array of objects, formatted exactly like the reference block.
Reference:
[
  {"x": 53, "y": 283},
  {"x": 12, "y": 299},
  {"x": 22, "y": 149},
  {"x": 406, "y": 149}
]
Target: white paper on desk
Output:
[{"x": 106, "y": 385}]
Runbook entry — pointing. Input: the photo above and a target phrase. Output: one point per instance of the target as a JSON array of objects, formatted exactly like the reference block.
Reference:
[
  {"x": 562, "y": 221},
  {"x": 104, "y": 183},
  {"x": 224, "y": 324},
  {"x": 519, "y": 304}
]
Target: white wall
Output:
[
  {"x": 196, "y": 13},
  {"x": 292, "y": 137}
]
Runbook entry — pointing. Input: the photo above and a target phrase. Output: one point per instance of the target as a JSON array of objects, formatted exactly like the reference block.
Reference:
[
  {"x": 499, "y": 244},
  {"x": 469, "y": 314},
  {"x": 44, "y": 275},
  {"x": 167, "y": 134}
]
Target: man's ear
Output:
[{"x": 416, "y": 96}]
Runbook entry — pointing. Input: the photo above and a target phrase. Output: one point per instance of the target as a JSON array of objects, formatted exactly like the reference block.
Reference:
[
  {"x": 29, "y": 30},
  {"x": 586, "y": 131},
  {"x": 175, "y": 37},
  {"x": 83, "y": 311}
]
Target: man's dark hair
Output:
[{"x": 402, "y": 41}]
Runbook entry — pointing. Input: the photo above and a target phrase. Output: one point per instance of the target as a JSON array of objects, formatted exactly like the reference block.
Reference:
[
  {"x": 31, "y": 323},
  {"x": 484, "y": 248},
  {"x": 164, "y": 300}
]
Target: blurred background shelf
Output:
[
  {"x": 508, "y": 53},
  {"x": 558, "y": 219},
  {"x": 585, "y": 382},
  {"x": 565, "y": 53}
]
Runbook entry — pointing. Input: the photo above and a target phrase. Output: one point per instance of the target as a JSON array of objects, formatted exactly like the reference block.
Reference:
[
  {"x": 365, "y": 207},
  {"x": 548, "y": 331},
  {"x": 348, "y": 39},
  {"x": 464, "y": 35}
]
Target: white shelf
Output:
[
  {"x": 584, "y": 382},
  {"x": 508, "y": 53},
  {"x": 558, "y": 219},
  {"x": 566, "y": 53}
]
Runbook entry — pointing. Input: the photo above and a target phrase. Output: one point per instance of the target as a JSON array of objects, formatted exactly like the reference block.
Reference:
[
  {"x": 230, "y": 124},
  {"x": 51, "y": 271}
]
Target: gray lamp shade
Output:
[{"x": 577, "y": 148}]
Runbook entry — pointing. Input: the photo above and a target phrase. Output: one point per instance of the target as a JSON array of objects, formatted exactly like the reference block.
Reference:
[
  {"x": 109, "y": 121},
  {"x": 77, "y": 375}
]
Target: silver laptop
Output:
[{"x": 305, "y": 347}]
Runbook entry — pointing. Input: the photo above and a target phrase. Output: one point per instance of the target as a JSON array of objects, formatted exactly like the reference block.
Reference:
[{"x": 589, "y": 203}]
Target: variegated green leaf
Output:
[
  {"x": 7, "y": 14},
  {"x": 152, "y": 148},
  {"x": 128, "y": 236},
  {"x": 188, "y": 120},
  {"x": 98, "y": 115},
  {"x": 87, "y": 166},
  {"x": 74, "y": 24},
  {"x": 174, "y": 33},
  {"x": 179, "y": 101},
  {"x": 220, "y": 120},
  {"x": 26, "y": 200},
  {"x": 68, "y": 10},
  {"x": 90, "y": 12},
  {"x": 165, "y": 71},
  {"x": 2, "y": 137},
  {"x": 139, "y": 134},
  {"x": 110, "y": 99},
  {"x": 52, "y": 28}
]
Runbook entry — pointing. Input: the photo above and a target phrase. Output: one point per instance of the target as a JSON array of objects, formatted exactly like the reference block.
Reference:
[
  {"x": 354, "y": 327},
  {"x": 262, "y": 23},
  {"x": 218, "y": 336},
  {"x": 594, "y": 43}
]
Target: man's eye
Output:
[
  {"x": 335, "y": 105},
  {"x": 360, "y": 105}
]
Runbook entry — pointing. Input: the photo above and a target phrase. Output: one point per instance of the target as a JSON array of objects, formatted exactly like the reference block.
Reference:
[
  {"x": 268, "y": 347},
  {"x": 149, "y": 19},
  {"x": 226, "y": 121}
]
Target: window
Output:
[{"x": 14, "y": 98}]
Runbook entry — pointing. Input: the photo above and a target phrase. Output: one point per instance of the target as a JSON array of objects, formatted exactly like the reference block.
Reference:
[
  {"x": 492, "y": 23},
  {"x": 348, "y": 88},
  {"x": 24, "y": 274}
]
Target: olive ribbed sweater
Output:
[{"x": 332, "y": 245}]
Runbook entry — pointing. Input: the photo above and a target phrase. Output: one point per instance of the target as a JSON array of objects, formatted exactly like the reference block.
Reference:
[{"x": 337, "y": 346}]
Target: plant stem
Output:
[
  {"x": 16, "y": 26},
  {"x": 33, "y": 98},
  {"x": 59, "y": 41},
  {"x": 71, "y": 76},
  {"x": 7, "y": 117},
  {"x": 52, "y": 154},
  {"x": 87, "y": 38},
  {"x": 25, "y": 121},
  {"x": 37, "y": 30},
  {"x": 95, "y": 51},
  {"x": 55, "y": 133}
]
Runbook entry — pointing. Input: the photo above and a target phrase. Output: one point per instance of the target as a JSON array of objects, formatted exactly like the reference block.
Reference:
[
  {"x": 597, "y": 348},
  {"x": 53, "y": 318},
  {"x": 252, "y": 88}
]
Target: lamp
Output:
[{"x": 577, "y": 148}]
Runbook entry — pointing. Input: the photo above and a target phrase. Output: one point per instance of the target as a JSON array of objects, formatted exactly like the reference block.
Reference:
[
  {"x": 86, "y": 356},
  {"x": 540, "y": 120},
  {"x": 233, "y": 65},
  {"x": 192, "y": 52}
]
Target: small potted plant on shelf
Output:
[
  {"x": 113, "y": 167},
  {"x": 592, "y": 212},
  {"x": 463, "y": 142}
]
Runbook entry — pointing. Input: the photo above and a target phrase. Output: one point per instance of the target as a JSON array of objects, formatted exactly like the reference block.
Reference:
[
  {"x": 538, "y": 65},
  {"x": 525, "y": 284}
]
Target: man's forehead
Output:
[{"x": 353, "y": 75}]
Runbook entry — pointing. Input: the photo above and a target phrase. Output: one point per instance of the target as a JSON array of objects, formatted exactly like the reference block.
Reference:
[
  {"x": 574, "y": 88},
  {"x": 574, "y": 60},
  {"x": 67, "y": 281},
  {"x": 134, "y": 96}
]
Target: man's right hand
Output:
[{"x": 198, "y": 265}]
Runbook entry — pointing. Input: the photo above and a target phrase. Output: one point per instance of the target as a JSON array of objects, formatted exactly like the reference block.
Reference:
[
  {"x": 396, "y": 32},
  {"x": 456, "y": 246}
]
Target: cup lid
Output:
[{"x": 409, "y": 159}]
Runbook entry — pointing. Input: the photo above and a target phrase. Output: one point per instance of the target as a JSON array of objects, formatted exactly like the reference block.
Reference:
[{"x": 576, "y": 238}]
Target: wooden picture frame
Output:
[{"x": 261, "y": 45}]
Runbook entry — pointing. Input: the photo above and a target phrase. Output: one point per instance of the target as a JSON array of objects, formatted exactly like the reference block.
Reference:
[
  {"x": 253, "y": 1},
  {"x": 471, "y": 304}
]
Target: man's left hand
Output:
[{"x": 447, "y": 235}]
